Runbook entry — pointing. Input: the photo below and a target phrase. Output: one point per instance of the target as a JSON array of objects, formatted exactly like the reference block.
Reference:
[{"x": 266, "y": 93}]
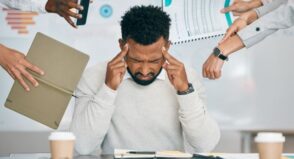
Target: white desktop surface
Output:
[{"x": 223, "y": 155}]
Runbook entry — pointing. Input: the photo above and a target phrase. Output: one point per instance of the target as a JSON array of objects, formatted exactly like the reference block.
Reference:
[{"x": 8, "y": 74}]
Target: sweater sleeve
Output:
[
  {"x": 201, "y": 132},
  {"x": 266, "y": 8},
  {"x": 92, "y": 116},
  {"x": 26, "y": 5},
  {"x": 266, "y": 1}
]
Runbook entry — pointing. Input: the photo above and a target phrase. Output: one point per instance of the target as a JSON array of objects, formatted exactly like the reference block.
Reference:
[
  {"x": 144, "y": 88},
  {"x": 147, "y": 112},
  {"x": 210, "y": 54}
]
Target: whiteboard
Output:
[{"x": 255, "y": 92}]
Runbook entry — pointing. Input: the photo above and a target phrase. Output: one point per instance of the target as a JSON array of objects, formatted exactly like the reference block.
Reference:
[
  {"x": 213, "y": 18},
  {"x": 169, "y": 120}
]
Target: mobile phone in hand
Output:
[{"x": 84, "y": 12}]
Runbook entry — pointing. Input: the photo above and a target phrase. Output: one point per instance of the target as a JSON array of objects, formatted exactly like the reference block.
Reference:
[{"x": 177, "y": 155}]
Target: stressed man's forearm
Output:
[{"x": 195, "y": 118}]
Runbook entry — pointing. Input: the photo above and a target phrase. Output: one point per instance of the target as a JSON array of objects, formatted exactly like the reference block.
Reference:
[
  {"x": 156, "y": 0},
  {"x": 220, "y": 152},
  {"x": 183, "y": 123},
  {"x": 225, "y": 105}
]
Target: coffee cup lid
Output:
[
  {"x": 269, "y": 137},
  {"x": 62, "y": 136}
]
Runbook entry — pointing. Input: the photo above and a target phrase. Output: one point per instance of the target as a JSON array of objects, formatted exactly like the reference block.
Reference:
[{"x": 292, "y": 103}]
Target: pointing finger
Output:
[
  {"x": 169, "y": 58},
  {"x": 122, "y": 54}
]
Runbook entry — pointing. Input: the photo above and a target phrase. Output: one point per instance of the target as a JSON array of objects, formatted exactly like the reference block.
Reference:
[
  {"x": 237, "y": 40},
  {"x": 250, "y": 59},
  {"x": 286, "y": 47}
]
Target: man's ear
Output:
[{"x": 121, "y": 43}]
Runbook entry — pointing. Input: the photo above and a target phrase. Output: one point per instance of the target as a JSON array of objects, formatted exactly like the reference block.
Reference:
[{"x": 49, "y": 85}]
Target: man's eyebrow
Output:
[
  {"x": 159, "y": 58},
  {"x": 134, "y": 58},
  {"x": 138, "y": 59}
]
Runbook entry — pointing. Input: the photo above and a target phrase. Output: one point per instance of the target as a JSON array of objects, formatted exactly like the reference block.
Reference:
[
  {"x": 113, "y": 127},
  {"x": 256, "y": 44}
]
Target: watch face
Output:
[{"x": 216, "y": 51}]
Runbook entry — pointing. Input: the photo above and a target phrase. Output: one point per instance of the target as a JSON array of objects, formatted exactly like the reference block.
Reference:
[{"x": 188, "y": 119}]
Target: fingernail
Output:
[
  {"x": 164, "y": 64},
  {"x": 81, "y": 8},
  {"x": 163, "y": 48},
  {"x": 42, "y": 73},
  {"x": 27, "y": 89},
  {"x": 80, "y": 15},
  {"x": 36, "y": 84}
]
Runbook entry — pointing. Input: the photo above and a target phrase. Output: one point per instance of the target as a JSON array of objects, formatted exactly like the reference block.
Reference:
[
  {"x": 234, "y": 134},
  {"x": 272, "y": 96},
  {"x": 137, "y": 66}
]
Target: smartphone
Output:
[{"x": 84, "y": 13}]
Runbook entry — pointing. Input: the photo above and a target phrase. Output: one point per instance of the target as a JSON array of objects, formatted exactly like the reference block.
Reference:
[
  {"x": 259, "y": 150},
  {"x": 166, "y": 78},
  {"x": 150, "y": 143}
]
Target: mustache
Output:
[{"x": 136, "y": 77}]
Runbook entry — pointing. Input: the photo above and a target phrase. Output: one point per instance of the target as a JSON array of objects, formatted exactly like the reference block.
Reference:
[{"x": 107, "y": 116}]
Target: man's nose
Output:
[{"x": 145, "y": 69}]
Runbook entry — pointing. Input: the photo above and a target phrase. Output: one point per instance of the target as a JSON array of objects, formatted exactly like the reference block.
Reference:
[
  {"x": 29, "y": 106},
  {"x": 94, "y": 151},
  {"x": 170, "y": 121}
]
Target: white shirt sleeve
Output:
[
  {"x": 268, "y": 7},
  {"x": 281, "y": 18},
  {"x": 25, "y": 5}
]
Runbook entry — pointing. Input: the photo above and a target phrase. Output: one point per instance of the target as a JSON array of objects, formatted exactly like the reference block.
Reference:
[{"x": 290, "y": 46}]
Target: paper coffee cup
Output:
[
  {"x": 61, "y": 145},
  {"x": 270, "y": 145}
]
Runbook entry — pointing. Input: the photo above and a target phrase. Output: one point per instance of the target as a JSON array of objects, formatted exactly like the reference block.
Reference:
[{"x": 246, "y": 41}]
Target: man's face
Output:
[{"x": 145, "y": 62}]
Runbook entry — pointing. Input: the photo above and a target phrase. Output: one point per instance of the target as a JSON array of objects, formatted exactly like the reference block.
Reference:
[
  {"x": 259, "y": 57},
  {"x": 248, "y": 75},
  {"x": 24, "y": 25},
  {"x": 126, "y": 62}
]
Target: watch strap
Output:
[
  {"x": 189, "y": 90},
  {"x": 216, "y": 52}
]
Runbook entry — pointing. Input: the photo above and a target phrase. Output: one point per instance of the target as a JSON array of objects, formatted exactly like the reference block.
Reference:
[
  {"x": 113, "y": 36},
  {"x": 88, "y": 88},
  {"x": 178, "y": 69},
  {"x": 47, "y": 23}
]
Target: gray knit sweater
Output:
[{"x": 139, "y": 117}]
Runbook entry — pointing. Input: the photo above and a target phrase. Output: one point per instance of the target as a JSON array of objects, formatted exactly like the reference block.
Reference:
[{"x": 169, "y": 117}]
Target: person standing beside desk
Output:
[{"x": 144, "y": 98}]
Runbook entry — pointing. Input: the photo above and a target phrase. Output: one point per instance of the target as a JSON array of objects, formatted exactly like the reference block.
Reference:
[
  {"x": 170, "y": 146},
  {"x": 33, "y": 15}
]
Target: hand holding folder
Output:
[{"x": 63, "y": 66}]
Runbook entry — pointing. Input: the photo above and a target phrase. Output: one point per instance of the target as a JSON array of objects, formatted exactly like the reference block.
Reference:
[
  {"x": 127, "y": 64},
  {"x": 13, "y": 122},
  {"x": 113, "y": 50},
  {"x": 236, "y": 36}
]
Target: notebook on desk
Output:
[
  {"x": 193, "y": 20},
  {"x": 63, "y": 68},
  {"x": 123, "y": 153}
]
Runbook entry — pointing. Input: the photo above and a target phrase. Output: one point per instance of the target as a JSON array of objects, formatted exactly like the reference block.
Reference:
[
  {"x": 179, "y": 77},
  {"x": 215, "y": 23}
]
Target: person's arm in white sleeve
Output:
[
  {"x": 281, "y": 18},
  {"x": 268, "y": 7},
  {"x": 93, "y": 112},
  {"x": 201, "y": 132},
  {"x": 249, "y": 17},
  {"x": 26, "y": 5},
  {"x": 60, "y": 7}
]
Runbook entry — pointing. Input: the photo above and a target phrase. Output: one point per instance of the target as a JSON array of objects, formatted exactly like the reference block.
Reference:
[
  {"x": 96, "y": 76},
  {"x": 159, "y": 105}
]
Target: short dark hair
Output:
[{"x": 145, "y": 24}]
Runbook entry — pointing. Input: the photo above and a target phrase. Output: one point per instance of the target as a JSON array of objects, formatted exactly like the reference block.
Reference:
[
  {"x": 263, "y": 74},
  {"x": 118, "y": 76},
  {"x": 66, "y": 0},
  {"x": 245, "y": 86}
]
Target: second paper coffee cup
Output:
[
  {"x": 270, "y": 145},
  {"x": 61, "y": 145}
]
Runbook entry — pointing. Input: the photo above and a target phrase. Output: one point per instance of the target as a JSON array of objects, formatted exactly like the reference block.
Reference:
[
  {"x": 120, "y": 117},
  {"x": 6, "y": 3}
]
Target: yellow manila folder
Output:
[{"x": 63, "y": 68}]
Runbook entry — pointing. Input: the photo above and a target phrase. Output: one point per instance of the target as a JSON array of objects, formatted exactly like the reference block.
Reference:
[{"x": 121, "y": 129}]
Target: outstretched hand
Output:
[{"x": 15, "y": 64}]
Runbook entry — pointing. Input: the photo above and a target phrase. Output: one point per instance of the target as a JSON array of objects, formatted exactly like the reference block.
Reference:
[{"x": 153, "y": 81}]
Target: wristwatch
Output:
[
  {"x": 189, "y": 90},
  {"x": 217, "y": 53}
]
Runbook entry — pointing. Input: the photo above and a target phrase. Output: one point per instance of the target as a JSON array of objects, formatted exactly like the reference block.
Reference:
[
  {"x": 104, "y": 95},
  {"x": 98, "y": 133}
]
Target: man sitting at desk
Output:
[{"x": 144, "y": 98}]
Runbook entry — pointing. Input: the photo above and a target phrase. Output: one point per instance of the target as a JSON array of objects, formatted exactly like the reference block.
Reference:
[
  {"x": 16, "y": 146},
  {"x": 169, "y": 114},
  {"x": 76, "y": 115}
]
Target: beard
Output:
[{"x": 137, "y": 75}]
